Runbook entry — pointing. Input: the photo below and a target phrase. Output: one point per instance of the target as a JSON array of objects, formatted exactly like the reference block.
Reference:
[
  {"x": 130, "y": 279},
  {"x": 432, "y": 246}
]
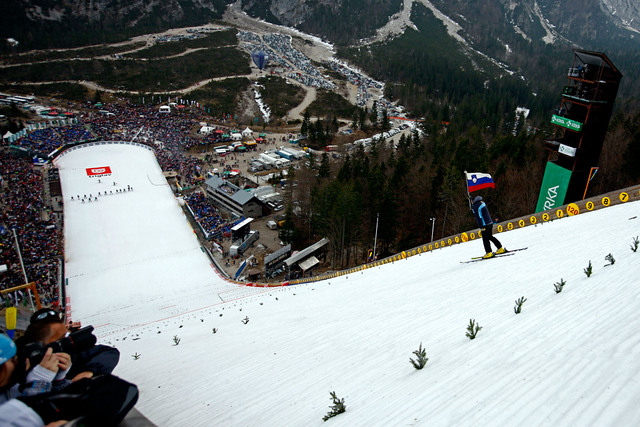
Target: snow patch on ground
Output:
[{"x": 264, "y": 108}]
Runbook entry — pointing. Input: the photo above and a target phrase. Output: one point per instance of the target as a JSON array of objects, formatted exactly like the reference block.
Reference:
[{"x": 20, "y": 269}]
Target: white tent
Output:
[
  {"x": 247, "y": 132},
  {"x": 7, "y": 135}
]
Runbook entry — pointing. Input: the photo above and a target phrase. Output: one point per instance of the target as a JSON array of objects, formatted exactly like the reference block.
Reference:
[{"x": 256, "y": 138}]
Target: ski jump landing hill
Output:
[
  {"x": 205, "y": 351},
  {"x": 125, "y": 234}
]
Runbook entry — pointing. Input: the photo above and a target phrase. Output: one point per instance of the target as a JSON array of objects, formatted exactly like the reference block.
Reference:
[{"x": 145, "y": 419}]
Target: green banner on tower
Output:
[
  {"x": 554, "y": 187},
  {"x": 567, "y": 123}
]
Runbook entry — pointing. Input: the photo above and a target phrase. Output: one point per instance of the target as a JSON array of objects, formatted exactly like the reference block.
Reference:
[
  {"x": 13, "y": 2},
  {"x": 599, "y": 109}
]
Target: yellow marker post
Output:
[
  {"x": 11, "y": 316},
  {"x": 573, "y": 209}
]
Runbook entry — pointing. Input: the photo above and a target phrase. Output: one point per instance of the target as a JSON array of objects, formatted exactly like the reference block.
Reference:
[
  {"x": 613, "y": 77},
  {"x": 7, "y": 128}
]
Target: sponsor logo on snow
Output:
[{"x": 98, "y": 172}]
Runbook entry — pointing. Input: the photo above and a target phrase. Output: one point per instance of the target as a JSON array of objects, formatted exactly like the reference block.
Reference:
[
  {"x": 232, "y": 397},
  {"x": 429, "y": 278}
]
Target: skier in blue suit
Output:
[{"x": 483, "y": 218}]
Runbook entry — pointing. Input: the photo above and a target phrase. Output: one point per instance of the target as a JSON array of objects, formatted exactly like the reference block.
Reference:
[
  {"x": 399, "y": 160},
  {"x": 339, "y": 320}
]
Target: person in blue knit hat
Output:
[{"x": 7, "y": 350}]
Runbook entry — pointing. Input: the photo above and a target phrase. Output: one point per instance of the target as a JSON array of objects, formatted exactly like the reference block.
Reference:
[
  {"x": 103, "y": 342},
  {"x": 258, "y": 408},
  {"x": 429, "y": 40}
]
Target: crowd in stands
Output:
[
  {"x": 208, "y": 216},
  {"x": 45, "y": 141},
  {"x": 39, "y": 240},
  {"x": 169, "y": 134}
]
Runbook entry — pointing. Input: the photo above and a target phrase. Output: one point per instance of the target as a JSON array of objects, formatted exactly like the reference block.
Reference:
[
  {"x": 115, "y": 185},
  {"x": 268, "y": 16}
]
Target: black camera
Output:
[{"x": 80, "y": 340}]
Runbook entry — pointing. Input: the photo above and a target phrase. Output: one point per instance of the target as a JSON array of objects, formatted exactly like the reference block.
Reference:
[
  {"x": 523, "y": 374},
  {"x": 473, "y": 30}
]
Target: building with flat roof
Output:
[{"x": 231, "y": 198}]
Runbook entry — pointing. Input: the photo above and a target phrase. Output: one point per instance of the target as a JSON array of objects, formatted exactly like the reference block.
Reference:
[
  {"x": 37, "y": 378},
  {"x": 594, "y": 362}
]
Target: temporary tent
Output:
[{"x": 247, "y": 132}]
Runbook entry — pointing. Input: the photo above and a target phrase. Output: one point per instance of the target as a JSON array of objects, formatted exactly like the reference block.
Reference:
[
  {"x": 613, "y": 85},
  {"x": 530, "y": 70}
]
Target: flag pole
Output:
[
  {"x": 466, "y": 182},
  {"x": 589, "y": 180}
]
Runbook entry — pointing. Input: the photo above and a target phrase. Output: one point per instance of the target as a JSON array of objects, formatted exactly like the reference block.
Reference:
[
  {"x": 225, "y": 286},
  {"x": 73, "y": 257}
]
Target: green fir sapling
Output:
[
  {"x": 634, "y": 245},
  {"x": 559, "y": 285},
  {"x": 421, "y": 355},
  {"x": 518, "y": 307},
  {"x": 338, "y": 407},
  {"x": 610, "y": 259},
  {"x": 472, "y": 329},
  {"x": 588, "y": 270}
]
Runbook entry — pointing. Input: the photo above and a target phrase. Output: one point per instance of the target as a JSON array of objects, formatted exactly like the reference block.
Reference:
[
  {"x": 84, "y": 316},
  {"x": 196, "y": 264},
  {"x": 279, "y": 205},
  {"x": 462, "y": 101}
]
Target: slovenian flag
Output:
[{"x": 478, "y": 181}]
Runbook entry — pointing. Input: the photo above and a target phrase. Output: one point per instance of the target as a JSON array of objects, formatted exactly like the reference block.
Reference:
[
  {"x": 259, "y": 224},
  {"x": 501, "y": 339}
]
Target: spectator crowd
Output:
[
  {"x": 39, "y": 239},
  {"x": 208, "y": 217}
]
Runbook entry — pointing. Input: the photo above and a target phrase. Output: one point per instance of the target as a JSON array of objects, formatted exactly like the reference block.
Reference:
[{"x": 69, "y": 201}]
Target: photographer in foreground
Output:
[
  {"x": 88, "y": 359},
  {"x": 40, "y": 379},
  {"x": 18, "y": 379},
  {"x": 102, "y": 400}
]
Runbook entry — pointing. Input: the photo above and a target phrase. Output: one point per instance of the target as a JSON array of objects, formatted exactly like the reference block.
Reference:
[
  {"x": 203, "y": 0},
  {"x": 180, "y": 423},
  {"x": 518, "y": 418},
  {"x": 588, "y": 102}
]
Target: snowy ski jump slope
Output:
[
  {"x": 569, "y": 358},
  {"x": 129, "y": 246}
]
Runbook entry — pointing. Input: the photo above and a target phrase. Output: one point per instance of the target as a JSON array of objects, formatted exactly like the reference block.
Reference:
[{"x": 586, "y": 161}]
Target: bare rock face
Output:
[
  {"x": 291, "y": 12},
  {"x": 125, "y": 13},
  {"x": 627, "y": 11}
]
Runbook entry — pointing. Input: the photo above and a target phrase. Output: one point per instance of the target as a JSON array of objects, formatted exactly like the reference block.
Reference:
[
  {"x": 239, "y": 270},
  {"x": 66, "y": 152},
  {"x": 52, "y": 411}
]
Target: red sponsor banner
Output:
[{"x": 99, "y": 171}]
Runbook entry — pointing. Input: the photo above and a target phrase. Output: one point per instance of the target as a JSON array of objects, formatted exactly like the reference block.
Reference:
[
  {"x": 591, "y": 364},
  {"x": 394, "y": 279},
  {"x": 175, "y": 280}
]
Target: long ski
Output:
[{"x": 507, "y": 253}]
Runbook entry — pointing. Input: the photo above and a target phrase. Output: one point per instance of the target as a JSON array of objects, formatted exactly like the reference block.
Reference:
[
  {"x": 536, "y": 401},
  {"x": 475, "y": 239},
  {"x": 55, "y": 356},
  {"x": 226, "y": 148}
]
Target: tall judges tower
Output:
[{"x": 580, "y": 125}]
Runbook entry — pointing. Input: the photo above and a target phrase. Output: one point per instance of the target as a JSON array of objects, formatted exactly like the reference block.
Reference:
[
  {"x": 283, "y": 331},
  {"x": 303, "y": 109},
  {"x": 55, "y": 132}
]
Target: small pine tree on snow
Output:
[
  {"x": 634, "y": 245},
  {"x": 559, "y": 285},
  {"x": 519, "y": 302},
  {"x": 176, "y": 340},
  {"x": 337, "y": 408},
  {"x": 610, "y": 259},
  {"x": 472, "y": 329},
  {"x": 421, "y": 355},
  {"x": 245, "y": 320},
  {"x": 136, "y": 356},
  {"x": 588, "y": 270}
]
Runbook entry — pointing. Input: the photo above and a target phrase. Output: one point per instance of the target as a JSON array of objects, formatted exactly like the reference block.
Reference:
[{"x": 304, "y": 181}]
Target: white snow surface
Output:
[{"x": 136, "y": 272}]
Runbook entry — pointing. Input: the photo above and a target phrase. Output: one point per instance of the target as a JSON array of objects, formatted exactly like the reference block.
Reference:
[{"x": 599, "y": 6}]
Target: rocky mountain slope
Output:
[
  {"x": 587, "y": 23},
  {"x": 44, "y": 23}
]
